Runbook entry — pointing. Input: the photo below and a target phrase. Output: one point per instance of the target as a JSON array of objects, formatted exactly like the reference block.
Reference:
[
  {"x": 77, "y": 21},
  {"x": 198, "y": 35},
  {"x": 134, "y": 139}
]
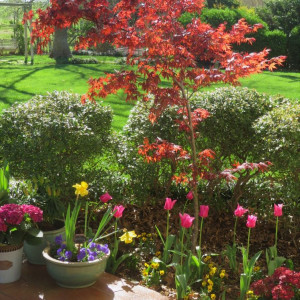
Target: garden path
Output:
[{"x": 35, "y": 284}]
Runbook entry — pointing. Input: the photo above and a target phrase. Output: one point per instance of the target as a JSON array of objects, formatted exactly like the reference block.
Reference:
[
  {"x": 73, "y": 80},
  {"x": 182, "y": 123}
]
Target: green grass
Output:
[{"x": 20, "y": 82}]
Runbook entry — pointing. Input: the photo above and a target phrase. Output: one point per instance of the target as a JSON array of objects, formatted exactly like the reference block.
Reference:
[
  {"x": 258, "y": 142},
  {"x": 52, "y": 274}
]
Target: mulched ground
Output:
[{"x": 217, "y": 232}]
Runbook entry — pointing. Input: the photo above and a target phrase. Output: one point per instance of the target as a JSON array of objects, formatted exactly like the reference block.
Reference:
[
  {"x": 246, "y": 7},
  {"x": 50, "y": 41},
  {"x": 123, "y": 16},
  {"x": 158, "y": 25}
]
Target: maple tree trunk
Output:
[
  {"x": 61, "y": 50},
  {"x": 195, "y": 176}
]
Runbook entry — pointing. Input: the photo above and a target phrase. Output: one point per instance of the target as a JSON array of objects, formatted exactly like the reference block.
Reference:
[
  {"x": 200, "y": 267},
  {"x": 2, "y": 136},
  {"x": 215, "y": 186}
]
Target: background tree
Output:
[
  {"x": 227, "y": 3},
  {"x": 170, "y": 51}
]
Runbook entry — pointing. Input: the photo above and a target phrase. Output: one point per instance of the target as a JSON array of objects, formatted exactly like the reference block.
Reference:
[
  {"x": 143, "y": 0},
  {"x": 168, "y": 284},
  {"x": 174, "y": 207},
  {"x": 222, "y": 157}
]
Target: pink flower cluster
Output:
[
  {"x": 281, "y": 285},
  {"x": 13, "y": 214}
]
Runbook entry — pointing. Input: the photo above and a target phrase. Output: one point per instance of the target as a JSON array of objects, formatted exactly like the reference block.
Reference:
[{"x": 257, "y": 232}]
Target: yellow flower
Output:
[
  {"x": 256, "y": 269},
  {"x": 250, "y": 293},
  {"x": 206, "y": 276},
  {"x": 210, "y": 265},
  {"x": 144, "y": 239},
  {"x": 212, "y": 271},
  {"x": 213, "y": 296},
  {"x": 145, "y": 273},
  {"x": 161, "y": 272},
  {"x": 207, "y": 258},
  {"x": 143, "y": 234},
  {"x": 204, "y": 283},
  {"x": 158, "y": 253},
  {"x": 210, "y": 282},
  {"x": 81, "y": 189},
  {"x": 149, "y": 235},
  {"x": 155, "y": 265},
  {"x": 127, "y": 237},
  {"x": 222, "y": 274},
  {"x": 146, "y": 265},
  {"x": 209, "y": 288}
]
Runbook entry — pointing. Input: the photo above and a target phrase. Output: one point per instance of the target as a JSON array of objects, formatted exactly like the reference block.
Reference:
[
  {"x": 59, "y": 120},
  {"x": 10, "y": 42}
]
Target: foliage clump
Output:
[{"x": 50, "y": 138}]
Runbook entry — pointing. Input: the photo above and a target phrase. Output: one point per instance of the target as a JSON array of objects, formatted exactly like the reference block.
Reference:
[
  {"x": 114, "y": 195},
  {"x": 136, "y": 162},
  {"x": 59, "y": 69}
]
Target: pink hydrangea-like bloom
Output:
[
  {"x": 118, "y": 211},
  {"x": 12, "y": 214},
  {"x": 169, "y": 203},
  {"x": 186, "y": 220},
  {"x": 251, "y": 221},
  {"x": 240, "y": 211},
  {"x": 35, "y": 213},
  {"x": 203, "y": 213},
  {"x": 278, "y": 210},
  {"x": 190, "y": 195},
  {"x": 105, "y": 197},
  {"x": 3, "y": 226}
]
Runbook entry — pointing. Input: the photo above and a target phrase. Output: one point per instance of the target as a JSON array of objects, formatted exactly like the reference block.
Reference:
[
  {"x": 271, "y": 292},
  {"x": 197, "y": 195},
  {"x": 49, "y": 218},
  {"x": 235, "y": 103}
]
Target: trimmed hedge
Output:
[{"x": 49, "y": 139}]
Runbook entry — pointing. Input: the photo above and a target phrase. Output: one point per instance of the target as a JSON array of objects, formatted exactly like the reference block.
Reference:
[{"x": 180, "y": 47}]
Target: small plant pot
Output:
[
  {"x": 34, "y": 252},
  {"x": 10, "y": 263},
  {"x": 74, "y": 274}
]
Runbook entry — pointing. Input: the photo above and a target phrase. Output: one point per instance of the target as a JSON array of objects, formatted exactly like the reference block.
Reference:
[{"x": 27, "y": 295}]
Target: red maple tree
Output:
[{"x": 169, "y": 52}]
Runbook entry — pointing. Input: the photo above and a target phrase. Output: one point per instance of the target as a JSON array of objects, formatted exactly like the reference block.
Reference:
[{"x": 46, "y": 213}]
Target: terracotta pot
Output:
[
  {"x": 10, "y": 263},
  {"x": 74, "y": 274},
  {"x": 34, "y": 252}
]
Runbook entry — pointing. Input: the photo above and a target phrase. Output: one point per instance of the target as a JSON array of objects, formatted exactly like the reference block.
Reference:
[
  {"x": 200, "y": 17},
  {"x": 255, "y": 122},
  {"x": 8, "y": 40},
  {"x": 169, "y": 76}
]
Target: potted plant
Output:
[
  {"x": 77, "y": 263},
  {"x": 17, "y": 222},
  {"x": 52, "y": 226}
]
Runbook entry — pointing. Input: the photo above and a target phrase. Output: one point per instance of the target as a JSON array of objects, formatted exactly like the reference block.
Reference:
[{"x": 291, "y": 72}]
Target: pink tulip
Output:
[
  {"x": 203, "y": 211},
  {"x": 105, "y": 197},
  {"x": 169, "y": 203},
  {"x": 118, "y": 209},
  {"x": 186, "y": 220},
  {"x": 278, "y": 210},
  {"x": 240, "y": 211},
  {"x": 251, "y": 221},
  {"x": 190, "y": 195}
]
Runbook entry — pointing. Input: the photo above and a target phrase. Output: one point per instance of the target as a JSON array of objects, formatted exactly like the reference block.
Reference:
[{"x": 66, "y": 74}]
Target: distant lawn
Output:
[{"x": 20, "y": 82}]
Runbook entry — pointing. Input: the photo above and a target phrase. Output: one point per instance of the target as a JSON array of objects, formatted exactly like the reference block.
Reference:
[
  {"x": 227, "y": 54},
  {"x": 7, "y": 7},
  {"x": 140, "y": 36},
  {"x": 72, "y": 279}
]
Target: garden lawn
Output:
[{"x": 21, "y": 82}]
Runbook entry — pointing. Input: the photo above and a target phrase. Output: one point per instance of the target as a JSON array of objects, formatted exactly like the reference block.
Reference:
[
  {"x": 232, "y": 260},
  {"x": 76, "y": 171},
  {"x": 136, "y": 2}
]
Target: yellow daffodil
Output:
[
  {"x": 81, "y": 189},
  {"x": 127, "y": 237},
  {"x": 213, "y": 296},
  {"x": 161, "y": 272}
]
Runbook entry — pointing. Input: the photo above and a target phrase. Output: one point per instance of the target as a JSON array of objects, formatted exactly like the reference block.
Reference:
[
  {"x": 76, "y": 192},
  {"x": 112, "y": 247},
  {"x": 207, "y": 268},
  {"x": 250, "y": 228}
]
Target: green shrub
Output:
[
  {"x": 294, "y": 48},
  {"x": 81, "y": 61},
  {"x": 49, "y": 139},
  {"x": 228, "y": 130}
]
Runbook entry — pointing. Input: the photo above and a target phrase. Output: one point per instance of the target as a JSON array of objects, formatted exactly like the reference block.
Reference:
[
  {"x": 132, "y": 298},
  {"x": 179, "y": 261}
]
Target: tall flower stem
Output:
[
  {"x": 168, "y": 218},
  {"x": 276, "y": 232},
  {"x": 116, "y": 226},
  {"x": 200, "y": 237},
  {"x": 181, "y": 252},
  {"x": 249, "y": 231},
  {"x": 234, "y": 230}
]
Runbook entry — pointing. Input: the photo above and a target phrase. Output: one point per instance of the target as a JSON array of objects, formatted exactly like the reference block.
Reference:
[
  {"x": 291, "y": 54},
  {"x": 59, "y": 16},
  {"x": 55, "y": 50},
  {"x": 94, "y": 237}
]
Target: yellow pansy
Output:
[
  {"x": 210, "y": 282},
  {"x": 155, "y": 265},
  {"x": 207, "y": 258},
  {"x": 212, "y": 271},
  {"x": 206, "y": 276},
  {"x": 158, "y": 253},
  {"x": 144, "y": 239},
  {"x": 204, "y": 283},
  {"x": 145, "y": 273},
  {"x": 146, "y": 265},
  {"x": 213, "y": 296},
  {"x": 209, "y": 288},
  {"x": 161, "y": 272},
  {"x": 81, "y": 189},
  {"x": 256, "y": 269},
  {"x": 127, "y": 237},
  {"x": 222, "y": 275},
  {"x": 250, "y": 293},
  {"x": 210, "y": 265}
]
